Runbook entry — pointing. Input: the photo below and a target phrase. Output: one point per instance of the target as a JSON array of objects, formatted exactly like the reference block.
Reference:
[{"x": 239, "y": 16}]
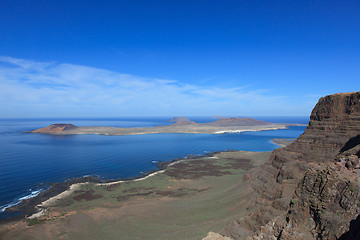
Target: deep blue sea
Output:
[{"x": 30, "y": 162}]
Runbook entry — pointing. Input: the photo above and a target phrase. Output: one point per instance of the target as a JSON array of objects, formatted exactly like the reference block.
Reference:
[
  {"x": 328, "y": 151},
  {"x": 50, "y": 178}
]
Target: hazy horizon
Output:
[{"x": 146, "y": 117}]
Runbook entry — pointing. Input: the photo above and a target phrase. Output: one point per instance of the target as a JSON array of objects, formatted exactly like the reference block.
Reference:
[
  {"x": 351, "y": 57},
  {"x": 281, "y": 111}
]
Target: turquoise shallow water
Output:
[{"x": 30, "y": 162}]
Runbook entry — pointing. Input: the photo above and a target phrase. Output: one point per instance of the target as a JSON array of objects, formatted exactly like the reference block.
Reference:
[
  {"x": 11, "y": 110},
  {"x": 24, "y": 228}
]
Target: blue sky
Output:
[{"x": 170, "y": 58}]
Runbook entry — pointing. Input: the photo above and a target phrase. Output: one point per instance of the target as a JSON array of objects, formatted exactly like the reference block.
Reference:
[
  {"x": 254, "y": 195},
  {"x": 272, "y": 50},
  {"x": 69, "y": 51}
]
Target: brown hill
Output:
[
  {"x": 237, "y": 121},
  {"x": 222, "y": 122},
  {"x": 55, "y": 128},
  {"x": 181, "y": 121}
]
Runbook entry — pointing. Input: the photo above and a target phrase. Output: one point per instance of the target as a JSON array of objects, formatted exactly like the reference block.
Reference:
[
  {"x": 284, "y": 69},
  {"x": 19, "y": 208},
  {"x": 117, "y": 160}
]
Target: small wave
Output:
[
  {"x": 19, "y": 200},
  {"x": 4, "y": 207},
  {"x": 31, "y": 195},
  {"x": 154, "y": 161}
]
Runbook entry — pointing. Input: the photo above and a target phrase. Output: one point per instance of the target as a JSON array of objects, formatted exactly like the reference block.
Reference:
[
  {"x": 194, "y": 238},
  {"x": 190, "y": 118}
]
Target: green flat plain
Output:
[{"x": 187, "y": 201}]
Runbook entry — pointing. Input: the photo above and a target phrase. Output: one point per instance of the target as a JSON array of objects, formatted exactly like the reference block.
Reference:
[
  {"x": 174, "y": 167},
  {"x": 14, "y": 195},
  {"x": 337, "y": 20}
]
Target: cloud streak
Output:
[{"x": 47, "y": 89}]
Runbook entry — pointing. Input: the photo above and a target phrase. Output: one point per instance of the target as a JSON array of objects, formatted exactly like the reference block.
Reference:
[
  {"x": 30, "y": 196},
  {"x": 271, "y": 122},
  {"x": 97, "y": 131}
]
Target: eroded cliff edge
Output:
[{"x": 310, "y": 189}]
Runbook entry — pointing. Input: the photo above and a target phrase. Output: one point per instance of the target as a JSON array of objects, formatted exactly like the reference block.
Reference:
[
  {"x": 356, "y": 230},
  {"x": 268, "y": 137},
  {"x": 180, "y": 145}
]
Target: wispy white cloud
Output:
[{"x": 31, "y": 88}]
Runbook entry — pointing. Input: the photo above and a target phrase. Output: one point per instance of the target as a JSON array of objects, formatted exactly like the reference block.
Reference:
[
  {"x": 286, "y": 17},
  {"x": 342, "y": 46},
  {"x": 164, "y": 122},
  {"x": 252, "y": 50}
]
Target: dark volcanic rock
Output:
[
  {"x": 309, "y": 189},
  {"x": 323, "y": 204},
  {"x": 333, "y": 122},
  {"x": 338, "y": 106}
]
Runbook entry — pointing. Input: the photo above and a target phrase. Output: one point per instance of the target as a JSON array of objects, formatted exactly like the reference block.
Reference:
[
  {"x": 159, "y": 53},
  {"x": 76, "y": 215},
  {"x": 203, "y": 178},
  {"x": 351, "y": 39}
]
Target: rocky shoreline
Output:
[
  {"x": 184, "y": 196},
  {"x": 30, "y": 207}
]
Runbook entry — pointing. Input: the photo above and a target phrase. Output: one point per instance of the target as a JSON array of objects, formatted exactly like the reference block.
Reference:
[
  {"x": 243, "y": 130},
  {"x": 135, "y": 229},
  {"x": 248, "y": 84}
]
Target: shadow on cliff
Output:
[
  {"x": 353, "y": 142},
  {"x": 354, "y": 230}
]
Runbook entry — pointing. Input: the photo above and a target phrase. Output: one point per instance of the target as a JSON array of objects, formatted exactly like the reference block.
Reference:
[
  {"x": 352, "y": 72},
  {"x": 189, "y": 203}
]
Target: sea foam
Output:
[{"x": 19, "y": 200}]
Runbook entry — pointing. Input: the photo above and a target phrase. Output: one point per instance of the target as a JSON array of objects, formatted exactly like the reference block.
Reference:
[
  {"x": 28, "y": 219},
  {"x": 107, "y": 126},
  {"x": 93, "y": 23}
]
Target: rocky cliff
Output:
[
  {"x": 310, "y": 189},
  {"x": 334, "y": 121}
]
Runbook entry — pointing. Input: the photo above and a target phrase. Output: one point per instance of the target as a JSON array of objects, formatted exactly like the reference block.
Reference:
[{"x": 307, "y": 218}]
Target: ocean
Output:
[{"x": 29, "y": 163}]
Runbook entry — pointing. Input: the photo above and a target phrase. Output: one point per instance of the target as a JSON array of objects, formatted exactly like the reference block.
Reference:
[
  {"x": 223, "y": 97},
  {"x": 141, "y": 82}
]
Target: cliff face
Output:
[
  {"x": 333, "y": 122},
  {"x": 323, "y": 204},
  {"x": 310, "y": 189}
]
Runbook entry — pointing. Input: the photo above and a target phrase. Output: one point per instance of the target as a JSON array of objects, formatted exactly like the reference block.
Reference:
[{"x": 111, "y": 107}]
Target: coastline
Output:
[
  {"x": 29, "y": 208},
  {"x": 36, "y": 206},
  {"x": 158, "y": 200},
  {"x": 74, "y": 187},
  {"x": 161, "y": 169}
]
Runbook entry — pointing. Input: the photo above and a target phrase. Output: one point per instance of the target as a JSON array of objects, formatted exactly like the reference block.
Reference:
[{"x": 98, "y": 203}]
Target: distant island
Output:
[{"x": 181, "y": 125}]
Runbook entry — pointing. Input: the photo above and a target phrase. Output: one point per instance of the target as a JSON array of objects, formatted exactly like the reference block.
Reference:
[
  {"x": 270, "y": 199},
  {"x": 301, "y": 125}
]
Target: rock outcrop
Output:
[
  {"x": 323, "y": 204},
  {"x": 310, "y": 189},
  {"x": 215, "y": 236}
]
